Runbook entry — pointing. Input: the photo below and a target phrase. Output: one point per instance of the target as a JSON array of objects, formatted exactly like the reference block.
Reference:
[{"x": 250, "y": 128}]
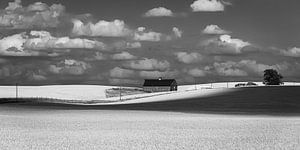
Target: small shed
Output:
[{"x": 159, "y": 85}]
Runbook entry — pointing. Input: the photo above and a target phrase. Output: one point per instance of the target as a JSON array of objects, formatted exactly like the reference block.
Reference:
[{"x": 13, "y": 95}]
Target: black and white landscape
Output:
[{"x": 149, "y": 74}]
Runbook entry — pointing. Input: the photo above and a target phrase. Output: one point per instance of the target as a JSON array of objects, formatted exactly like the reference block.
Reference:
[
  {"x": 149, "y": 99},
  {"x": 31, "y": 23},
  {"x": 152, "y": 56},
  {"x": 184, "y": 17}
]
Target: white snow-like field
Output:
[
  {"x": 70, "y": 92},
  {"x": 30, "y": 128}
]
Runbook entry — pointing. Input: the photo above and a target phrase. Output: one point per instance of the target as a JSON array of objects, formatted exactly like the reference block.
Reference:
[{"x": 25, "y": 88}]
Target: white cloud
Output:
[
  {"x": 237, "y": 43},
  {"x": 14, "y": 5},
  {"x": 188, "y": 58},
  {"x": 141, "y": 35},
  {"x": 133, "y": 45},
  {"x": 35, "y": 15},
  {"x": 126, "y": 45},
  {"x": 69, "y": 66},
  {"x": 141, "y": 29},
  {"x": 177, "y": 32},
  {"x": 119, "y": 56},
  {"x": 115, "y": 28},
  {"x": 225, "y": 45},
  {"x": 123, "y": 56},
  {"x": 147, "y": 64},
  {"x": 37, "y": 6},
  {"x": 214, "y": 29},
  {"x": 196, "y": 72},
  {"x": 15, "y": 41},
  {"x": 292, "y": 52},
  {"x": 159, "y": 12},
  {"x": 44, "y": 40},
  {"x": 30, "y": 45},
  {"x": 118, "y": 72},
  {"x": 208, "y": 5}
]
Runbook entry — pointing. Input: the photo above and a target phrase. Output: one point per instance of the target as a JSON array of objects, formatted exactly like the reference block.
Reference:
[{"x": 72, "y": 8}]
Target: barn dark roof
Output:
[{"x": 157, "y": 82}]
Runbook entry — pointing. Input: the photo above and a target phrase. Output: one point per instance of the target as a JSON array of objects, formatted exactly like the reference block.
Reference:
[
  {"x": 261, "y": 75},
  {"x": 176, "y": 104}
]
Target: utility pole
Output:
[
  {"x": 195, "y": 83},
  {"x": 120, "y": 92},
  {"x": 17, "y": 91}
]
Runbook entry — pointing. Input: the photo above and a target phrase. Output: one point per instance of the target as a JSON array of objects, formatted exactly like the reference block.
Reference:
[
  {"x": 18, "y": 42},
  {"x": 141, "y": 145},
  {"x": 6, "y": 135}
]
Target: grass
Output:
[{"x": 115, "y": 92}]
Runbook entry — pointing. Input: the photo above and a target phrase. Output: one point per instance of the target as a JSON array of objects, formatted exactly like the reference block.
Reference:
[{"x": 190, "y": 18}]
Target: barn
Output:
[{"x": 159, "y": 85}]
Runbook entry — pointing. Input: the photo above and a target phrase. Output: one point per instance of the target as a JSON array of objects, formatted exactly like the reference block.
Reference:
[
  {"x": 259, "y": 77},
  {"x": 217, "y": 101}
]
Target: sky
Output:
[{"x": 117, "y": 42}]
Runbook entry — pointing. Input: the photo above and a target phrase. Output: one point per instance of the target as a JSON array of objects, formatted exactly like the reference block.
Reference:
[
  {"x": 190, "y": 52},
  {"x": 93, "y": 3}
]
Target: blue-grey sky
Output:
[{"x": 116, "y": 42}]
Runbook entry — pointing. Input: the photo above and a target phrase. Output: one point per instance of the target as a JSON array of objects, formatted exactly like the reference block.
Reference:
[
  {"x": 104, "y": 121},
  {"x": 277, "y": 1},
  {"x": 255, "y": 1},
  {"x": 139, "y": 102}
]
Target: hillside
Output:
[
  {"x": 273, "y": 99},
  {"x": 256, "y": 100}
]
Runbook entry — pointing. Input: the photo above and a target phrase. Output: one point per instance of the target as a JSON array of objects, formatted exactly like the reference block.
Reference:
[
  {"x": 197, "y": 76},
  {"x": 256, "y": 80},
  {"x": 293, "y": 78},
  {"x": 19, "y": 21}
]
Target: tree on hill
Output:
[{"x": 272, "y": 77}]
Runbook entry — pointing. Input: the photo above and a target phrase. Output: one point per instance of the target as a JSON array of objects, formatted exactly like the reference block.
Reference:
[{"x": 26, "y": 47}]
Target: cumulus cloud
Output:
[
  {"x": 123, "y": 56},
  {"x": 13, "y": 45},
  {"x": 141, "y": 35},
  {"x": 118, "y": 56},
  {"x": 147, "y": 64},
  {"x": 118, "y": 72},
  {"x": 292, "y": 52},
  {"x": 214, "y": 29},
  {"x": 26, "y": 45},
  {"x": 208, "y": 5},
  {"x": 237, "y": 43},
  {"x": 159, "y": 12},
  {"x": 69, "y": 66},
  {"x": 225, "y": 44},
  {"x": 36, "y": 15},
  {"x": 177, "y": 32},
  {"x": 126, "y": 45},
  {"x": 44, "y": 40},
  {"x": 188, "y": 58},
  {"x": 115, "y": 28},
  {"x": 14, "y": 5}
]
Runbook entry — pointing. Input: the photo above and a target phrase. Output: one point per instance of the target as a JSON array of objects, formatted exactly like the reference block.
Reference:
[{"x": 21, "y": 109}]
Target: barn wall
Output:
[{"x": 157, "y": 89}]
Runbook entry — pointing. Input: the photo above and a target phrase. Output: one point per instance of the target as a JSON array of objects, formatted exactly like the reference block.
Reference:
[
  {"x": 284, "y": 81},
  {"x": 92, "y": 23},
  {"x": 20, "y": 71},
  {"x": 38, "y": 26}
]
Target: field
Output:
[
  {"x": 206, "y": 118},
  {"x": 31, "y": 127}
]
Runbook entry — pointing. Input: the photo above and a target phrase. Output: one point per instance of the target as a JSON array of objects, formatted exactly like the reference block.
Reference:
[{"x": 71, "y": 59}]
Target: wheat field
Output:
[{"x": 34, "y": 128}]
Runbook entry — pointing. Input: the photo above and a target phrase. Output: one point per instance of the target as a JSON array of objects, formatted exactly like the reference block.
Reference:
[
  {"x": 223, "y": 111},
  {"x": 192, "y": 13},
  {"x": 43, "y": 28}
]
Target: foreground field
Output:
[
  {"x": 30, "y": 127},
  {"x": 237, "y": 118}
]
